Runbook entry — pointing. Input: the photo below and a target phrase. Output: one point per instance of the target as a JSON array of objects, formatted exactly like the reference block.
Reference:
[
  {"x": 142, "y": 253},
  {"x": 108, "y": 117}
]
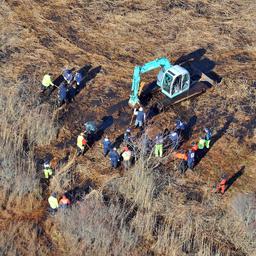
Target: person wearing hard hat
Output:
[
  {"x": 222, "y": 186},
  {"x": 208, "y": 136},
  {"x": 81, "y": 142},
  {"x": 67, "y": 75},
  {"x": 180, "y": 127},
  {"x": 53, "y": 202},
  {"x": 114, "y": 157},
  {"x": 159, "y": 146},
  {"x": 106, "y": 146},
  {"x": 201, "y": 143},
  {"x": 127, "y": 136},
  {"x": 127, "y": 156},
  {"x": 78, "y": 78},
  {"x": 47, "y": 170},
  {"x": 46, "y": 82},
  {"x": 140, "y": 117}
]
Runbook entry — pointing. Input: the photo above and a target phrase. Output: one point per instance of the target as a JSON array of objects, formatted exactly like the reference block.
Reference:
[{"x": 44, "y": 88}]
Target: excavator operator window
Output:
[
  {"x": 177, "y": 85},
  {"x": 185, "y": 82},
  {"x": 167, "y": 82}
]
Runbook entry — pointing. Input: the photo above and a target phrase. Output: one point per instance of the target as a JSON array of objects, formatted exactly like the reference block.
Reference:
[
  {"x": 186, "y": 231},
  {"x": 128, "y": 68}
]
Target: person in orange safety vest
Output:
[
  {"x": 182, "y": 155},
  {"x": 222, "y": 186}
]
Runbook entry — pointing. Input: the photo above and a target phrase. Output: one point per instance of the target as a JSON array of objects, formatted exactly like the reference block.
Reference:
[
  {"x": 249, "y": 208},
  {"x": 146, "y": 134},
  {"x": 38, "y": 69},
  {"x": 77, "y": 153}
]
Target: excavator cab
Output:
[{"x": 173, "y": 81}]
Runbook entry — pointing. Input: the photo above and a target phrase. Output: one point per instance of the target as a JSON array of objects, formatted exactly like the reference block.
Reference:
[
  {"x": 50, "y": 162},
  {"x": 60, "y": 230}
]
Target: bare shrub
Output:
[
  {"x": 14, "y": 240},
  {"x": 20, "y": 131},
  {"x": 92, "y": 228}
]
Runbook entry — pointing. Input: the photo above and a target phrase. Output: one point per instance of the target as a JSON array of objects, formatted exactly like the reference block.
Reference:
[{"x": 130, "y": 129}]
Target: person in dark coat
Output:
[
  {"x": 106, "y": 146},
  {"x": 63, "y": 93},
  {"x": 114, "y": 158}
]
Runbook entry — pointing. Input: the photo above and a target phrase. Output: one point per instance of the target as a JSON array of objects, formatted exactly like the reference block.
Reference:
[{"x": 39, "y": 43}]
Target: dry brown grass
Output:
[{"x": 21, "y": 130}]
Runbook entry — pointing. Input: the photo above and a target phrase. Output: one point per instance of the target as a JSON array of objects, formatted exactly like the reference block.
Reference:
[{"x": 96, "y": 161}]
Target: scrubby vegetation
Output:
[{"x": 150, "y": 209}]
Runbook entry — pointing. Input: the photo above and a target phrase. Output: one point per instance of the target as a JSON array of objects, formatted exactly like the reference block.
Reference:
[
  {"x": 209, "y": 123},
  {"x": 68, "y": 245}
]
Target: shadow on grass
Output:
[{"x": 235, "y": 177}]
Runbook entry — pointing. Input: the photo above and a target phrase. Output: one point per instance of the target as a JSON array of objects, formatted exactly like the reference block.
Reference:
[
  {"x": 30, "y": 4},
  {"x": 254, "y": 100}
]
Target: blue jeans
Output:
[
  {"x": 191, "y": 164},
  {"x": 137, "y": 122},
  {"x": 105, "y": 151},
  {"x": 114, "y": 163}
]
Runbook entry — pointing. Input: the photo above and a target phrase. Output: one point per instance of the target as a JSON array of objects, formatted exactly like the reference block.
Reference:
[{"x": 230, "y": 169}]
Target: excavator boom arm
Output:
[{"x": 161, "y": 62}]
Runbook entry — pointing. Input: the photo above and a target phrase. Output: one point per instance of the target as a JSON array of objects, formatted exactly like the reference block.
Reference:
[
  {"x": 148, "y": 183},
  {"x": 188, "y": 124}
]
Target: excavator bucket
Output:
[{"x": 205, "y": 78}]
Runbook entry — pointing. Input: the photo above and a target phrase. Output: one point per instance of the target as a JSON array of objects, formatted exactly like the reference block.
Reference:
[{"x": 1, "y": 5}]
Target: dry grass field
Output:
[{"x": 150, "y": 209}]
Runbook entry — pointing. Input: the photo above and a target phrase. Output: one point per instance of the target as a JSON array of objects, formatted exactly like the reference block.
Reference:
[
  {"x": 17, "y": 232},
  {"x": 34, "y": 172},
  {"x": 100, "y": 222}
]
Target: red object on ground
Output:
[{"x": 222, "y": 186}]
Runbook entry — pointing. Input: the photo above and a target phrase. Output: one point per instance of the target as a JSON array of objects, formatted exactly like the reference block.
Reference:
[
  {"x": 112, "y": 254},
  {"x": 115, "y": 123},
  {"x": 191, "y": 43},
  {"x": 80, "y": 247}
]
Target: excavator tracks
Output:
[{"x": 162, "y": 103}]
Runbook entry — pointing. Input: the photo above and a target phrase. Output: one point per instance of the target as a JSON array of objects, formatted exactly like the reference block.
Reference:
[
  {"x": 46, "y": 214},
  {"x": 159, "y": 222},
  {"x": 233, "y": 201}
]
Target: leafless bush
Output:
[
  {"x": 20, "y": 131},
  {"x": 95, "y": 229},
  {"x": 14, "y": 240}
]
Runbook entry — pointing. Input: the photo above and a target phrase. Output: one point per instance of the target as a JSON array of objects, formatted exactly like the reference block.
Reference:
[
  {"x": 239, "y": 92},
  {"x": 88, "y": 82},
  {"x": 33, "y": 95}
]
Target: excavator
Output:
[{"x": 176, "y": 82}]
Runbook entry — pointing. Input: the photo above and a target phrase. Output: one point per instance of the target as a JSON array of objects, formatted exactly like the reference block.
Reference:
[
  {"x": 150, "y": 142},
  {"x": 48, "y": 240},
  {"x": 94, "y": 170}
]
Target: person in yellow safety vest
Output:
[
  {"x": 53, "y": 202},
  {"x": 208, "y": 137},
  {"x": 127, "y": 155},
  {"x": 47, "y": 82},
  {"x": 47, "y": 170},
  {"x": 159, "y": 146},
  {"x": 81, "y": 142},
  {"x": 201, "y": 143}
]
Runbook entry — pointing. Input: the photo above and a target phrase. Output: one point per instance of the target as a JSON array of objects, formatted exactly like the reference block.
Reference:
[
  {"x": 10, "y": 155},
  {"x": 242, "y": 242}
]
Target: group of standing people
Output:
[
  {"x": 174, "y": 139},
  {"x": 125, "y": 156},
  {"x": 68, "y": 87},
  {"x": 196, "y": 151}
]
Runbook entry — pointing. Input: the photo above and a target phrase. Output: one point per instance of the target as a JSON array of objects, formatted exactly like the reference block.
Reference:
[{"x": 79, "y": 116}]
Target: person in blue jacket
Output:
[
  {"x": 180, "y": 127},
  {"x": 208, "y": 137},
  {"x": 127, "y": 136},
  {"x": 67, "y": 75},
  {"x": 140, "y": 117},
  {"x": 78, "y": 78},
  {"x": 106, "y": 145},
  {"x": 191, "y": 159},
  {"x": 114, "y": 157},
  {"x": 63, "y": 93}
]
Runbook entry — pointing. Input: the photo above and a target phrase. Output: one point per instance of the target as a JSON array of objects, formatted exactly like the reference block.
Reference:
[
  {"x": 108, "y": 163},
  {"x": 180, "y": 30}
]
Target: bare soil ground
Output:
[{"x": 112, "y": 37}]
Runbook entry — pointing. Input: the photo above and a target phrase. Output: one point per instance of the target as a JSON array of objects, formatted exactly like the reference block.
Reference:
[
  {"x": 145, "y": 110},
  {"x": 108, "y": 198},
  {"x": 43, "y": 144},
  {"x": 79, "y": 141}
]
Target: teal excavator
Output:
[{"x": 174, "y": 81}]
